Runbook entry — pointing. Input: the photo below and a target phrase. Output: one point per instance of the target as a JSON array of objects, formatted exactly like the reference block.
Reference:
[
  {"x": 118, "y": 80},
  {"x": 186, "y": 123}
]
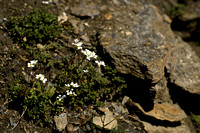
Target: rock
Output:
[
  {"x": 75, "y": 25},
  {"x": 128, "y": 33},
  {"x": 62, "y": 18},
  {"x": 166, "y": 111},
  {"x": 119, "y": 108},
  {"x": 103, "y": 109},
  {"x": 166, "y": 6},
  {"x": 128, "y": 49},
  {"x": 185, "y": 79},
  {"x": 40, "y": 46},
  {"x": 85, "y": 9},
  {"x": 70, "y": 128},
  {"x": 140, "y": 45},
  {"x": 161, "y": 129},
  {"x": 186, "y": 73},
  {"x": 160, "y": 112},
  {"x": 26, "y": 76},
  {"x": 61, "y": 121},
  {"x": 13, "y": 122},
  {"x": 85, "y": 38},
  {"x": 125, "y": 99},
  {"x": 106, "y": 121},
  {"x": 162, "y": 92},
  {"x": 75, "y": 129},
  {"x": 108, "y": 16}
]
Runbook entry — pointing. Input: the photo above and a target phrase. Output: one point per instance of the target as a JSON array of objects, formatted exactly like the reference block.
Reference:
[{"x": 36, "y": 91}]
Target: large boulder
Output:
[{"x": 138, "y": 44}]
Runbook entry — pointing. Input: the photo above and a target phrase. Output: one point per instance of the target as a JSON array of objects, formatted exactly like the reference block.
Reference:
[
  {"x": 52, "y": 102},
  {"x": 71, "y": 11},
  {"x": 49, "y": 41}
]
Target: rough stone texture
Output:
[
  {"x": 165, "y": 6},
  {"x": 168, "y": 112},
  {"x": 107, "y": 121},
  {"x": 187, "y": 71},
  {"x": 61, "y": 121},
  {"x": 161, "y": 112},
  {"x": 160, "y": 129},
  {"x": 162, "y": 92},
  {"x": 83, "y": 9},
  {"x": 164, "y": 118},
  {"x": 145, "y": 51}
]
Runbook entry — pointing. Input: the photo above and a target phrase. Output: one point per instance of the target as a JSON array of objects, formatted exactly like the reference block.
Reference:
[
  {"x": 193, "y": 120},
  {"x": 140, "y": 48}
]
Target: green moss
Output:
[{"x": 37, "y": 27}]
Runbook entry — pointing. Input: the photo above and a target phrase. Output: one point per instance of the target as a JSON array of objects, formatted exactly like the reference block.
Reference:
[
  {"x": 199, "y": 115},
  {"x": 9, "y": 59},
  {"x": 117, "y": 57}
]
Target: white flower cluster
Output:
[
  {"x": 41, "y": 77},
  {"x": 85, "y": 71},
  {"x": 89, "y": 54},
  {"x": 72, "y": 84},
  {"x": 70, "y": 92},
  {"x": 100, "y": 63},
  {"x": 32, "y": 63},
  {"x": 45, "y": 2},
  {"x": 60, "y": 97},
  {"x": 77, "y": 44}
]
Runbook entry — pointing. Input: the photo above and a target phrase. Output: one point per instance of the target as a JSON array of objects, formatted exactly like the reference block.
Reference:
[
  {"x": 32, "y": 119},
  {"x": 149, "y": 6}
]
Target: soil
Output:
[
  {"x": 12, "y": 61},
  {"x": 12, "y": 65}
]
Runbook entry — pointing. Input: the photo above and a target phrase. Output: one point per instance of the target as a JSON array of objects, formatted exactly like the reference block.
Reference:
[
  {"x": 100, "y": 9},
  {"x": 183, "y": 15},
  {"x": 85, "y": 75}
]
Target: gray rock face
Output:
[
  {"x": 186, "y": 73},
  {"x": 61, "y": 121},
  {"x": 136, "y": 43},
  {"x": 85, "y": 9}
]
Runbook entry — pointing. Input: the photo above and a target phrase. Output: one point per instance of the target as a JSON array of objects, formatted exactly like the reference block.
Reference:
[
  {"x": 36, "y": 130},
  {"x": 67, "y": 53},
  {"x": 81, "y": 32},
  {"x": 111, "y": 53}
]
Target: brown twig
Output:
[{"x": 20, "y": 118}]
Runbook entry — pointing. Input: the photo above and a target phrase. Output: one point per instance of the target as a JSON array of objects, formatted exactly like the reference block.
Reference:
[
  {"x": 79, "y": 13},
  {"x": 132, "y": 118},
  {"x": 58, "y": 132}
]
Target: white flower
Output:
[
  {"x": 89, "y": 54},
  {"x": 45, "y": 2},
  {"x": 70, "y": 92},
  {"x": 74, "y": 84},
  {"x": 44, "y": 80},
  {"x": 68, "y": 85},
  {"x": 74, "y": 94},
  {"x": 60, "y": 97},
  {"x": 63, "y": 96},
  {"x": 38, "y": 76},
  {"x": 100, "y": 63},
  {"x": 41, "y": 77},
  {"x": 5, "y": 19},
  {"x": 77, "y": 44},
  {"x": 32, "y": 63},
  {"x": 85, "y": 71},
  {"x": 76, "y": 40}
]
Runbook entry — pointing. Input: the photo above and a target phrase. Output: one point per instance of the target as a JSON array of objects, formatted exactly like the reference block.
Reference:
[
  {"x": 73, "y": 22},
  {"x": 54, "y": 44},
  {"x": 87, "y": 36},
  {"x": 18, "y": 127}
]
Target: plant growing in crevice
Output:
[{"x": 176, "y": 11}]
